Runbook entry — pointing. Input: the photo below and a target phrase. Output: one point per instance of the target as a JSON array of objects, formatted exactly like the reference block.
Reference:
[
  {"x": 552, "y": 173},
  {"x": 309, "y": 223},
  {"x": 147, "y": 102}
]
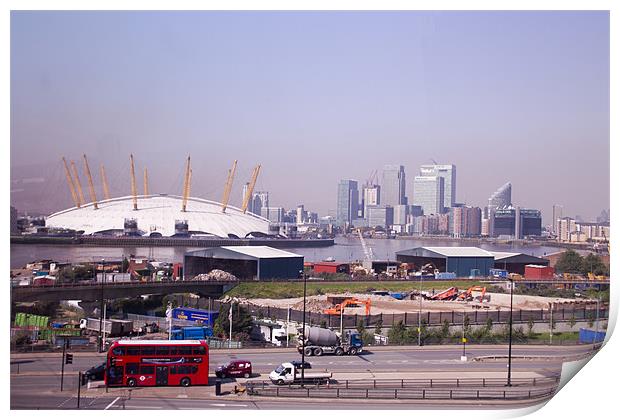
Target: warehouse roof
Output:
[
  {"x": 518, "y": 258},
  {"x": 243, "y": 252},
  {"x": 446, "y": 251}
]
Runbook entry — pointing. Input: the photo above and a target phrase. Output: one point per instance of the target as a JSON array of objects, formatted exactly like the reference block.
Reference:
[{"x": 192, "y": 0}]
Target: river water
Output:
[{"x": 345, "y": 249}]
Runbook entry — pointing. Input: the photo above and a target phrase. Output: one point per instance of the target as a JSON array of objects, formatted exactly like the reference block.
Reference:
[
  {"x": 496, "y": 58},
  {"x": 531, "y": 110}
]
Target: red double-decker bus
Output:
[{"x": 157, "y": 362}]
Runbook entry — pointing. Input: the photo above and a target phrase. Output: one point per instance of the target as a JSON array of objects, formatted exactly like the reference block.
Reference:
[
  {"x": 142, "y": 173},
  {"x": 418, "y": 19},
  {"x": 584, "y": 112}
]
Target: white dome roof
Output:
[{"x": 158, "y": 213}]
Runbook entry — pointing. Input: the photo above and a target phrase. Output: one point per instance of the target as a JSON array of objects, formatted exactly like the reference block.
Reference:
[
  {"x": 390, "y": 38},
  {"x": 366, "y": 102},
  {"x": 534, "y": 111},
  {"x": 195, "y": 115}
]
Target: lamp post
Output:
[
  {"x": 550, "y": 323},
  {"x": 512, "y": 286},
  {"x": 101, "y": 305},
  {"x": 420, "y": 314},
  {"x": 303, "y": 342}
]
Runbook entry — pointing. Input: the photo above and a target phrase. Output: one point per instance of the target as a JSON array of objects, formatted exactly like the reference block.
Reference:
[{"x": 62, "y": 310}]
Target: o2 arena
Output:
[{"x": 159, "y": 215}]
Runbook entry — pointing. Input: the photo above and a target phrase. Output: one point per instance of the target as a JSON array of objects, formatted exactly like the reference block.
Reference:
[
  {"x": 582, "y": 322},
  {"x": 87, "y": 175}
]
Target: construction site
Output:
[{"x": 448, "y": 300}]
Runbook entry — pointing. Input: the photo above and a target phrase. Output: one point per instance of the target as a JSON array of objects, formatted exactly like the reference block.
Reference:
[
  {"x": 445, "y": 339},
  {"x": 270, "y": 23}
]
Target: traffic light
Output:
[{"x": 68, "y": 359}]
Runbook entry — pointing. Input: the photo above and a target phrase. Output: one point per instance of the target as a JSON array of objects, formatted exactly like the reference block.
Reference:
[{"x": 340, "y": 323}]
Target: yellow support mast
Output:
[
  {"x": 134, "y": 192},
  {"x": 91, "y": 187},
  {"x": 186, "y": 185},
  {"x": 228, "y": 186},
  {"x": 70, "y": 182},
  {"x": 104, "y": 180},
  {"x": 146, "y": 182},
  {"x": 77, "y": 183},
  {"x": 248, "y": 194}
]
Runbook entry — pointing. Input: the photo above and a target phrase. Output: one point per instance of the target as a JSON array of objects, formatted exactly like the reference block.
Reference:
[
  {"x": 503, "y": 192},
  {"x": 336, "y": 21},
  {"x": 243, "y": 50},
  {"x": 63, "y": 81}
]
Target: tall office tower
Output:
[
  {"x": 502, "y": 197},
  {"x": 274, "y": 214},
  {"x": 244, "y": 191},
  {"x": 448, "y": 173},
  {"x": 499, "y": 199},
  {"x": 371, "y": 197},
  {"x": 348, "y": 197},
  {"x": 428, "y": 192},
  {"x": 393, "y": 185},
  {"x": 302, "y": 215},
  {"x": 259, "y": 200},
  {"x": 557, "y": 215},
  {"x": 400, "y": 214},
  {"x": 380, "y": 216}
]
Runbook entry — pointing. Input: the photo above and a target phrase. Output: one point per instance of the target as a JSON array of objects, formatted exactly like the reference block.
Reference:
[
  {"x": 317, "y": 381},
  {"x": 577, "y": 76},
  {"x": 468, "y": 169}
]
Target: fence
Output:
[
  {"x": 452, "y": 389},
  {"x": 410, "y": 319}
]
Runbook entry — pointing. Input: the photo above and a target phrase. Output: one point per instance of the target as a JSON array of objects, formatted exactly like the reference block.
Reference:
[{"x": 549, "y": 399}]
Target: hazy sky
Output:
[{"x": 316, "y": 97}]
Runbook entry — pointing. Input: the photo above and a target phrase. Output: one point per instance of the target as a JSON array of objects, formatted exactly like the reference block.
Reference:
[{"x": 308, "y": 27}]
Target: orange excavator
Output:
[
  {"x": 337, "y": 309},
  {"x": 467, "y": 295}
]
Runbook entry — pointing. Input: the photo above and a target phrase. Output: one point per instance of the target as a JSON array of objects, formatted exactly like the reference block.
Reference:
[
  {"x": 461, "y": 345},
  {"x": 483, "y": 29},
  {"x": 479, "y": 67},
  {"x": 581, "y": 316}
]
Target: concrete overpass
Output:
[{"x": 94, "y": 291}]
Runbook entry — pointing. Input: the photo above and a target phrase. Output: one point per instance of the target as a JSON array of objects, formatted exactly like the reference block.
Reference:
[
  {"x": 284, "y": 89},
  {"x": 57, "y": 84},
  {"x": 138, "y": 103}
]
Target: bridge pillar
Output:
[{"x": 91, "y": 307}]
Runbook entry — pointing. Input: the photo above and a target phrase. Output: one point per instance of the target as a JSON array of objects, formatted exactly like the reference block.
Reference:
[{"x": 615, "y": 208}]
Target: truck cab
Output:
[{"x": 288, "y": 373}]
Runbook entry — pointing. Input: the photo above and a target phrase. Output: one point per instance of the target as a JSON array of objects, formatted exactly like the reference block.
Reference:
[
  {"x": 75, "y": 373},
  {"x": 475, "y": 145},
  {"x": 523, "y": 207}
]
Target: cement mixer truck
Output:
[{"x": 321, "y": 341}]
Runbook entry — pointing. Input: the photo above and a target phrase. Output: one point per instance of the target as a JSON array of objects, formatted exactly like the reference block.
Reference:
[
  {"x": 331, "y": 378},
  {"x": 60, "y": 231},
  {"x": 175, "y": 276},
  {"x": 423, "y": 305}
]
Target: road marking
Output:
[
  {"x": 65, "y": 401},
  {"x": 144, "y": 407},
  {"x": 228, "y": 405},
  {"x": 182, "y": 396},
  {"x": 112, "y": 403}
]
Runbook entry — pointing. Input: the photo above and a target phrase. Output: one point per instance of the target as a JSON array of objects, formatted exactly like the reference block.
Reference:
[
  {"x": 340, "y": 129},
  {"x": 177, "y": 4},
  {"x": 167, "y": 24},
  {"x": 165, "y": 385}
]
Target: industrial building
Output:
[
  {"x": 515, "y": 262},
  {"x": 244, "y": 262},
  {"x": 463, "y": 261}
]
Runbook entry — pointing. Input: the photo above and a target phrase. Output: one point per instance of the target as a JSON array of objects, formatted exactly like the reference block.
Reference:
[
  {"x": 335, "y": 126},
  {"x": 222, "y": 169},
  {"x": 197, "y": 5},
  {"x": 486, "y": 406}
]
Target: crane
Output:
[
  {"x": 368, "y": 256},
  {"x": 248, "y": 194}
]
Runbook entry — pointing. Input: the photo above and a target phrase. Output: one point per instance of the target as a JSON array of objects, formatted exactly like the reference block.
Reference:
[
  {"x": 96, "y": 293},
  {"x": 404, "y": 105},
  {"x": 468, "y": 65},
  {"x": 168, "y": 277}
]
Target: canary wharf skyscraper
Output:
[
  {"x": 393, "y": 185},
  {"x": 448, "y": 173}
]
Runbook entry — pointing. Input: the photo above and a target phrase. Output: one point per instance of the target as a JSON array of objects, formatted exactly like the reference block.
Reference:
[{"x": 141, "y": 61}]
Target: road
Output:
[{"x": 39, "y": 373}]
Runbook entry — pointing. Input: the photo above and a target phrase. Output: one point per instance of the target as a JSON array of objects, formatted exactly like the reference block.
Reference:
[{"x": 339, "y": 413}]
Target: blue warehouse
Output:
[{"x": 463, "y": 261}]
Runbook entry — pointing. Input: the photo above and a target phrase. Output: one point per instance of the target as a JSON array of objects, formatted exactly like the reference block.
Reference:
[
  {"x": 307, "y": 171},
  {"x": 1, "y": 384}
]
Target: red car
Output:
[{"x": 235, "y": 369}]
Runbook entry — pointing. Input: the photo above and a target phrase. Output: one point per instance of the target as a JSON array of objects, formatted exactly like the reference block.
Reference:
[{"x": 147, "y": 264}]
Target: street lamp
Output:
[
  {"x": 512, "y": 286},
  {"x": 420, "y": 314},
  {"x": 101, "y": 306},
  {"x": 303, "y": 342}
]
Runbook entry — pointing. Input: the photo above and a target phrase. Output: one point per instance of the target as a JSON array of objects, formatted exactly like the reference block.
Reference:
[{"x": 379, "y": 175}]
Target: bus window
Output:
[
  {"x": 133, "y": 351},
  {"x": 147, "y": 370},
  {"x": 200, "y": 350},
  {"x": 162, "y": 351},
  {"x": 115, "y": 375},
  {"x": 185, "y": 350},
  {"x": 147, "y": 350},
  {"x": 173, "y": 370},
  {"x": 194, "y": 369},
  {"x": 132, "y": 368},
  {"x": 118, "y": 351}
]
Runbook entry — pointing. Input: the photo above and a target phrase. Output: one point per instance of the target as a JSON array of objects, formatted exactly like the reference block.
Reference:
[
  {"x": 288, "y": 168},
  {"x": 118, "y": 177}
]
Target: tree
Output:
[
  {"x": 572, "y": 321},
  {"x": 242, "y": 321},
  {"x": 569, "y": 262},
  {"x": 593, "y": 264},
  {"x": 379, "y": 327},
  {"x": 397, "y": 333},
  {"x": 530, "y": 326}
]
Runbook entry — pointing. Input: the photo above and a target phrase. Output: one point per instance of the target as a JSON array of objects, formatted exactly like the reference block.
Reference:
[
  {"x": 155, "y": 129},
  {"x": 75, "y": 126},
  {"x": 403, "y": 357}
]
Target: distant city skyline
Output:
[{"x": 519, "y": 96}]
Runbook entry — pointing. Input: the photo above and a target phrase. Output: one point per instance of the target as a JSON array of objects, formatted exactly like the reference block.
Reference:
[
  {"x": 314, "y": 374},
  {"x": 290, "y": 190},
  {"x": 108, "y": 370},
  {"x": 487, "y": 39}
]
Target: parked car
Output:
[
  {"x": 235, "y": 369},
  {"x": 95, "y": 373}
]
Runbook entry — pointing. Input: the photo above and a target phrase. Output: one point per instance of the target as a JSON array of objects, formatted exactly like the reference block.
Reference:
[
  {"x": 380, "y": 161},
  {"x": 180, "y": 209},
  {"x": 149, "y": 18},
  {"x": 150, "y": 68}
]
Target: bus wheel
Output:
[
  {"x": 185, "y": 382},
  {"x": 131, "y": 382}
]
